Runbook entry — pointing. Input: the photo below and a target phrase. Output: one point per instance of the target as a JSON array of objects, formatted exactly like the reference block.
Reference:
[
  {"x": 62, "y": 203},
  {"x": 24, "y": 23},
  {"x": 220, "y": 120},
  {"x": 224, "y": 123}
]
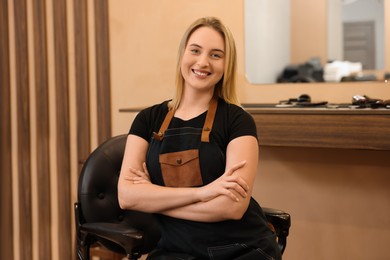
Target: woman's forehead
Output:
[{"x": 207, "y": 37}]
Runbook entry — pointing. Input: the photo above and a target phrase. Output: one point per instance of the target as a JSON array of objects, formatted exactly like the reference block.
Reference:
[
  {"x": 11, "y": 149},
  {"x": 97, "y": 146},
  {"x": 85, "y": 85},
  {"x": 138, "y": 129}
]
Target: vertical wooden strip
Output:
[
  {"x": 387, "y": 35},
  {"x": 63, "y": 131},
  {"x": 6, "y": 223},
  {"x": 42, "y": 126},
  {"x": 82, "y": 80},
  {"x": 23, "y": 128},
  {"x": 102, "y": 70}
]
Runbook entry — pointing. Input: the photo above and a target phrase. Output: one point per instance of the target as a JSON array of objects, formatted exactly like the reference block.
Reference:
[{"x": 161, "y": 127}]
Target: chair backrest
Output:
[{"x": 98, "y": 194}]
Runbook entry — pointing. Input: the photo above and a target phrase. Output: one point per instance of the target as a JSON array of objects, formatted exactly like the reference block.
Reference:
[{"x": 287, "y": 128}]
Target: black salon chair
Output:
[{"x": 100, "y": 220}]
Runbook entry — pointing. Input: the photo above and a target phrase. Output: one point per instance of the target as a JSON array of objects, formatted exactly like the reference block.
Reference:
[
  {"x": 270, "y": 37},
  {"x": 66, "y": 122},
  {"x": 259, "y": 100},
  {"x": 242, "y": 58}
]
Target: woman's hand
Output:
[
  {"x": 138, "y": 176},
  {"x": 225, "y": 184}
]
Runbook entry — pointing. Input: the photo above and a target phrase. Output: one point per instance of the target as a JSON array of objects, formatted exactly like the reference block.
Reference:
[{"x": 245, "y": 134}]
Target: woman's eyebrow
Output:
[
  {"x": 198, "y": 46},
  {"x": 195, "y": 45}
]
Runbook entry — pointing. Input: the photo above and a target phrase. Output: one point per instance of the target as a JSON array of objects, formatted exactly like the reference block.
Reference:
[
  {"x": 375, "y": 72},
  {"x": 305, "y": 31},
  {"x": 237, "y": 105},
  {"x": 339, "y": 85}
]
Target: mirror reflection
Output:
[{"x": 299, "y": 37}]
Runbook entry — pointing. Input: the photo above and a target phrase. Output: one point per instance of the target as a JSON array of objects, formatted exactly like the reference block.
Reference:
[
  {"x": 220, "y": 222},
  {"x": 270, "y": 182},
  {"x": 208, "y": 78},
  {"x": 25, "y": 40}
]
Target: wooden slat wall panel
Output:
[
  {"x": 102, "y": 70},
  {"x": 6, "y": 222},
  {"x": 63, "y": 132},
  {"x": 42, "y": 125},
  {"x": 49, "y": 53},
  {"x": 82, "y": 80},
  {"x": 23, "y": 128}
]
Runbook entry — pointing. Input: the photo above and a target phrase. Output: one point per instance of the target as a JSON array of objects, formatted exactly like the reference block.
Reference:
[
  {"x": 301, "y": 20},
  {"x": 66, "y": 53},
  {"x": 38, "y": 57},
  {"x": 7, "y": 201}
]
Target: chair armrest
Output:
[
  {"x": 281, "y": 222},
  {"x": 130, "y": 239},
  {"x": 279, "y": 219}
]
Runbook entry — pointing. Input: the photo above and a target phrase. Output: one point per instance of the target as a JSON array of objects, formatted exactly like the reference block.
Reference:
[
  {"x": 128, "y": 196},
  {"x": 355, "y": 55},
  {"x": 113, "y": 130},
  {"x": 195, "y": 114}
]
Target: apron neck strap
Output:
[
  {"x": 208, "y": 124},
  {"x": 159, "y": 136}
]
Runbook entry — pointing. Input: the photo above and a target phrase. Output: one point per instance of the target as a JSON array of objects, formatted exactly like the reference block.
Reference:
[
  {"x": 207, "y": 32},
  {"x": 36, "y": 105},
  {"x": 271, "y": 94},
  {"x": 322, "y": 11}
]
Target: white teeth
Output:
[{"x": 200, "y": 73}]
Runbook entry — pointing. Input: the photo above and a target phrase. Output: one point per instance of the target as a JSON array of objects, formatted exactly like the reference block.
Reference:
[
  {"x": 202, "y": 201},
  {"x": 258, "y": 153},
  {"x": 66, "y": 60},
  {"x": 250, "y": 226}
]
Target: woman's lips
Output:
[{"x": 201, "y": 73}]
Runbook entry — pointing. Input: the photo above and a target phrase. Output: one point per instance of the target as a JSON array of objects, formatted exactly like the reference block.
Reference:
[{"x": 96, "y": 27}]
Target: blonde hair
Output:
[{"x": 226, "y": 87}]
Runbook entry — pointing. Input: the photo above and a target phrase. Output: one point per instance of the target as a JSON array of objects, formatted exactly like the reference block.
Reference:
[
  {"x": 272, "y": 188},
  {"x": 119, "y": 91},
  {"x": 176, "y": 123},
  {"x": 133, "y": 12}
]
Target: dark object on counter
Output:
[
  {"x": 387, "y": 75},
  {"x": 303, "y": 100},
  {"x": 367, "y": 102},
  {"x": 312, "y": 104}
]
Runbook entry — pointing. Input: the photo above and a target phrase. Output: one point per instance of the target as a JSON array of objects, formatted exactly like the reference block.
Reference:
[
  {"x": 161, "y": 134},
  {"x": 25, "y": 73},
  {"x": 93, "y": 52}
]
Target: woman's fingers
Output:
[
  {"x": 223, "y": 187},
  {"x": 138, "y": 180},
  {"x": 139, "y": 176},
  {"x": 232, "y": 196},
  {"x": 239, "y": 188},
  {"x": 137, "y": 172},
  {"x": 235, "y": 182},
  {"x": 234, "y": 168},
  {"x": 235, "y": 179},
  {"x": 146, "y": 170},
  {"x": 214, "y": 190},
  {"x": 226, "y": 184}
]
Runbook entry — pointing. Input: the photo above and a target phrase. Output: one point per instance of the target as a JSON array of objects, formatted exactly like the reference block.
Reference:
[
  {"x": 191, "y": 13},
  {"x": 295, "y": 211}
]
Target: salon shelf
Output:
[{"x": 322, "y": 127}]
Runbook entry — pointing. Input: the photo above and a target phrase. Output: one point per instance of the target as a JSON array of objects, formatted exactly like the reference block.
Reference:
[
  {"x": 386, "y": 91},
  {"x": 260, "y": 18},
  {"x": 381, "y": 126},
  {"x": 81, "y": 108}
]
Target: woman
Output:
[{"x": 193, "y": 160}]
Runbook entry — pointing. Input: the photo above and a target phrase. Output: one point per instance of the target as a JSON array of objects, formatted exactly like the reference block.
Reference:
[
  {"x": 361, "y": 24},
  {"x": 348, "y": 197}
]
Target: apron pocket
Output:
[{"x": 181, "y": 169}]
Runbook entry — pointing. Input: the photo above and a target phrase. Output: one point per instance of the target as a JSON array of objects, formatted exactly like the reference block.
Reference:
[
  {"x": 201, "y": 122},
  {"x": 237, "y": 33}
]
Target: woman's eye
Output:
[
  {"x": 216, "y": 56},
  {"x": 195, "y": 51}
]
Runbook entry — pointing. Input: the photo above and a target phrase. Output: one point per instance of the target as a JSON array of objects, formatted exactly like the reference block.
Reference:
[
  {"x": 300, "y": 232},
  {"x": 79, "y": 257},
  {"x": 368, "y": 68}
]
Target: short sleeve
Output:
[
  {"x": 241, "y": 123},
  {"x": 149, "y": 120},
  {"x": 140, "y": 126}
]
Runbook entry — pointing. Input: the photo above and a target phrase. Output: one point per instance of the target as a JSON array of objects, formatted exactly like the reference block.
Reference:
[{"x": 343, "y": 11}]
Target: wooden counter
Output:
[{"x": 323, "y": 127}]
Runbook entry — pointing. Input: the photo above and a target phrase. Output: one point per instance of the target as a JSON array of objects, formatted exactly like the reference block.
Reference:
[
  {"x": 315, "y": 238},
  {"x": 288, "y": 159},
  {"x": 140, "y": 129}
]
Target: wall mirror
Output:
[{"x": 279, "y": 33}]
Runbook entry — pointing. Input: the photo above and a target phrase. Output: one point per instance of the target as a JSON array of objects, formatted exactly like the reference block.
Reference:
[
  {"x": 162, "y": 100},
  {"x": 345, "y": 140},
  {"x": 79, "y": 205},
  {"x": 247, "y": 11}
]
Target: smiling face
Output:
[{"x": 203, "y": 60}]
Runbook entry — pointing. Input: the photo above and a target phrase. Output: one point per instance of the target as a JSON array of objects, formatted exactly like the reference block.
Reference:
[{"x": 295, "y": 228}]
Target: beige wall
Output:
[{"x": 338, "y": 199}]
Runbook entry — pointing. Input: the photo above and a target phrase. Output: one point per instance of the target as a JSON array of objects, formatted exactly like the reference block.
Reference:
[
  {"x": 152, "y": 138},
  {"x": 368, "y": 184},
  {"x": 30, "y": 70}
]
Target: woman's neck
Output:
[{"x": 191, "y": 106}]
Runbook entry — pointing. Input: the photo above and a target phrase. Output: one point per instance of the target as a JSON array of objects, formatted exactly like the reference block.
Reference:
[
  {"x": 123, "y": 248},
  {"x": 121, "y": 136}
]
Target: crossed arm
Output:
[{"x": 225, "y": 198}]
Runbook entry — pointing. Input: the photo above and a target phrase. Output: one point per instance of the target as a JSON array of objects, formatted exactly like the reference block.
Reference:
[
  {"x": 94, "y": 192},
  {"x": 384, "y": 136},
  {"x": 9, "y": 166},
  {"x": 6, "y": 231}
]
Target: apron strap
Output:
[
  {"x": 159, "y": 136},
  {"x": 208, "y": 124}
]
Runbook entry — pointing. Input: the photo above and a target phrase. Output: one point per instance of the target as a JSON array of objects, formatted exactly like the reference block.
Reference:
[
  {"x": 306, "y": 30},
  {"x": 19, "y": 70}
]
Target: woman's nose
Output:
[{"x": 203, "y": 61}]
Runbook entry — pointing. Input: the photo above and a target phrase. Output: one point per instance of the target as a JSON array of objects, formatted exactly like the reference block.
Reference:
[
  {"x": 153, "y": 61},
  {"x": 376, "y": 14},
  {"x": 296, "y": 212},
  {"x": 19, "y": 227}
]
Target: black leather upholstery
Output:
[
  {"x": 280, "y": 222},
  {"x": 99, "y": 219},
  {"x": 98, "y": 215}
]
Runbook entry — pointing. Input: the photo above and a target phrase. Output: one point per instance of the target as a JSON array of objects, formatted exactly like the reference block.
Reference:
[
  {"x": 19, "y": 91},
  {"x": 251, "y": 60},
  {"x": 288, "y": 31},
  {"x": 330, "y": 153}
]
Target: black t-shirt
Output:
[
  {"x": 193, "y": 237},
  {"x": 230, "y": 122}
]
